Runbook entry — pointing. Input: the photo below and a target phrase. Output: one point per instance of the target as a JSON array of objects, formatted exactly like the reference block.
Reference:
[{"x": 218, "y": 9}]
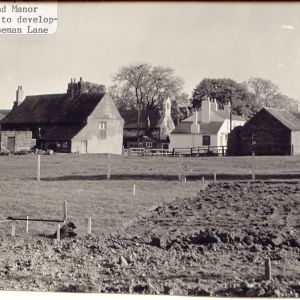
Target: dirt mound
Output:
[{"x": 214, "y": 244}]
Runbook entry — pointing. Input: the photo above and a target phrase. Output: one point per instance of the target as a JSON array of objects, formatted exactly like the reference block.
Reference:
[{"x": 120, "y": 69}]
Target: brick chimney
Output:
[
  {"x": 227, "y": 107},
  {"x": 195, "y": 127},
  {"x": 206, "y": 110},
  {"x": 214, "y": 105},
  {"x": 19, "y": 96}
]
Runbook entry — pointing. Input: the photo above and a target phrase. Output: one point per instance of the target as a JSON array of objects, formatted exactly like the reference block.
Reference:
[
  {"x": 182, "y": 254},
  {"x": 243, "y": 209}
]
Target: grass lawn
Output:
[
  {"x": 110, "y": 204},
  {"x": 76, "y": 179},
  {"x": 90, "y": 167}
]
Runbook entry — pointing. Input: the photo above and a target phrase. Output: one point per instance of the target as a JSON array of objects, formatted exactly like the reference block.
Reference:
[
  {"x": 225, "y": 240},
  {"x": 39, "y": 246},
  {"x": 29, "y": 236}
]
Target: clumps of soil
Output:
[
  {"x": 214, "y": 244},
  {"x": 66, "y": 231}
]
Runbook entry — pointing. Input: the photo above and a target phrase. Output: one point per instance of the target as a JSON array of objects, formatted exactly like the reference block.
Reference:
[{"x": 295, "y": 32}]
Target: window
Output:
[
  {"x": 102, "y": 129},
  {"x": 148, "y": 144},
  {"x": 206, "y": 140}
]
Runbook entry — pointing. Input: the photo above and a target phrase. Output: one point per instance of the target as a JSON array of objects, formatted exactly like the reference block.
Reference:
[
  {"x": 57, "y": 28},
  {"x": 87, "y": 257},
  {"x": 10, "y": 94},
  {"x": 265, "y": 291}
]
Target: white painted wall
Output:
[
  {"x": 113, "y": 142},
  {"x": 183, "y": 140}
]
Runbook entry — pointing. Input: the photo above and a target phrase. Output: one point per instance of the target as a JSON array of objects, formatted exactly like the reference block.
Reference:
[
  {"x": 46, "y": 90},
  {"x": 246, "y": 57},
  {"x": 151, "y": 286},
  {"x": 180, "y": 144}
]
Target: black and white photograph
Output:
[{"x": 150, "y": 148}]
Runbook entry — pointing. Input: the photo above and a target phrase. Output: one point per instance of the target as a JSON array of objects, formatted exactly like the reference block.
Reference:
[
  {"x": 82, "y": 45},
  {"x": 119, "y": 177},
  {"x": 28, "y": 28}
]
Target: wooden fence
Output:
[
  {"x": 194, "y": 151},
  {"x": 201, "y": 151}
]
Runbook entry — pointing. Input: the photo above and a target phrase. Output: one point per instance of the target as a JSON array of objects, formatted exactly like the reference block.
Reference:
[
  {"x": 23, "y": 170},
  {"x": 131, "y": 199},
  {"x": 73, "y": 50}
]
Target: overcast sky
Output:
[{"x": 197, "y": 40}]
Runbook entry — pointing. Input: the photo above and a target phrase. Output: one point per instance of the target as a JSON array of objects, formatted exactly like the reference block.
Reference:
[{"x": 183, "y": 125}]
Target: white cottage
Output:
[{"x": 209, "y": 126}]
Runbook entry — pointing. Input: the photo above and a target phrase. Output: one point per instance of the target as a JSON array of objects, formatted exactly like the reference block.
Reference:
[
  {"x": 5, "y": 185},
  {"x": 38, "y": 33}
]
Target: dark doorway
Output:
[{"x": 11, "y": 143}]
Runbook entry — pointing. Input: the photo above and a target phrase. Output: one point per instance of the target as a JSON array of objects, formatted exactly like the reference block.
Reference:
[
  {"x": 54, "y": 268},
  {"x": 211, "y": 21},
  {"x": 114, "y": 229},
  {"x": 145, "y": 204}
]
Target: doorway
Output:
[{"x": 11, "y": 143}]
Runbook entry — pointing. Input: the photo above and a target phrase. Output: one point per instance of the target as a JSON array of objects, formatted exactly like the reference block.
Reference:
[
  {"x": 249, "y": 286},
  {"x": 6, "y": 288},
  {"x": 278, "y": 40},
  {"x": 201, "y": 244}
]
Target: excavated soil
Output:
[{"x": 213, "y": 244}]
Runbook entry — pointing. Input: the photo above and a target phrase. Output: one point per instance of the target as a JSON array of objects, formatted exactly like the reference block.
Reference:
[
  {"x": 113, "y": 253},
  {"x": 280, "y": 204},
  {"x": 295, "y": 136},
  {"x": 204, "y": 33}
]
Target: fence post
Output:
[
  {"x": 58, "y": 232},
  {"x": 253, "y": 166},
  {"x": 173, "y": 152},
  {"x": 133, "y": 190},
  {"x": 222, "y": 150},
  {"x": 89, "y": 227},
  {"x": 215, "y": 176},
  {"x": 108, "y": 167},
  {"x": 268, "y": 271},
  {"x": 27, "y": 224},
  {"x": 65, "y": 211},
  {"x": 191, "y": 152},
  {"x": 13, "y": 229},
  {"x": 38, "y": 170},
  {"x": 180, "y": 168}
]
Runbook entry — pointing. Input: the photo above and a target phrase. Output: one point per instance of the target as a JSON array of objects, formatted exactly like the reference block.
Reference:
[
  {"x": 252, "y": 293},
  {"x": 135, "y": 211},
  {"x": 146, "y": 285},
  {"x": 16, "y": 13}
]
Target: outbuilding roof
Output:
[{"x": 291, "y": 120}]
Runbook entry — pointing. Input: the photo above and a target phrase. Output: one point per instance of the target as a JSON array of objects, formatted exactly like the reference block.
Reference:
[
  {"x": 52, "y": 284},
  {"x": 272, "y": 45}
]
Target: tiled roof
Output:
[
  {"x": 205, "y": 128},
  {"x": 226, "y": 115},
  {"x": 61, "y": 132},
  {"x": 289, "y": 119},
  {"x": 56, "y": 108},
  {"x": 130, "y": 117}
]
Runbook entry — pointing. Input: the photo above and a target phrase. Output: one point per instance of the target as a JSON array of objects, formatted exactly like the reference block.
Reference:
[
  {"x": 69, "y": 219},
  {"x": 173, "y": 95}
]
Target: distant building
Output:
[
  {"x": 83, "y": 120},
  {"x": 271, "y": 132},
  {"x": 154, "y": 127},
  {"x": 207, "y": 127}
]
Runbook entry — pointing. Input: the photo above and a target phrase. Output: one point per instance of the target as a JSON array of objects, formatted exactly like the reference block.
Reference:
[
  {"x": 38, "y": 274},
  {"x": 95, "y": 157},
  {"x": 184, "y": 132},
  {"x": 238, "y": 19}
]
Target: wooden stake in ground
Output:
[
  {"x": 133, "y": 190},
  {"x": 215, "y": 176},
  {"x": 89, "y": 227},
  {"x": 268, "y": 271},
  {"x": 65, "y": 210},
  {"x": 13, "y": 229},
  {"x": 108, "y": 166},
  {"x": 27, "y": 225},
  {"x": 253, "y": 166},
  {"x": 38, "y": 169},
  {"x": 180, "y": 168},
  {"x": 58, "y": 232}
]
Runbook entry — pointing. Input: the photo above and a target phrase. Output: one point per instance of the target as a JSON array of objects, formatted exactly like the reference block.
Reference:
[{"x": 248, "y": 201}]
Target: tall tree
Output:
[
  {"x": 268, "y": 94},
  {"x": 226, "y": 91},
  {"x": 263, "y": 89},
  {"x": 146, "y": 86}
]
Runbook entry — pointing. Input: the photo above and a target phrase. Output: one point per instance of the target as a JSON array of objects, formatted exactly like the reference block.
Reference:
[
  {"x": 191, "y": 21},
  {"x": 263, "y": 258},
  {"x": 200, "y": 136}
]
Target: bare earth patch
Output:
[{"x": 211, "y": 244}]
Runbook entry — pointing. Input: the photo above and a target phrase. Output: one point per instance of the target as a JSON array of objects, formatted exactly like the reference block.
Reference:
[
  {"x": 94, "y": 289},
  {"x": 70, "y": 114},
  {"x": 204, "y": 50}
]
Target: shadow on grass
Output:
[{"x": 161, "y": 177}]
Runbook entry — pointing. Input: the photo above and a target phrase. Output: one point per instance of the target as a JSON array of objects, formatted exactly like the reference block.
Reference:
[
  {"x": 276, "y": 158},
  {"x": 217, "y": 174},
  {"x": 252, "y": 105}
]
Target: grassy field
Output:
[
  {"x": 90, "y": 167},
  {"x": 79, "y": 179}
]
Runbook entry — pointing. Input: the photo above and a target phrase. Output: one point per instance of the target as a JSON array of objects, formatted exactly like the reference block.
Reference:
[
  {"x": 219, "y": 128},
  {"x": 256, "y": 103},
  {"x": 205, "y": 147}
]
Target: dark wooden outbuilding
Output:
[{"x": 270, "y": 132}]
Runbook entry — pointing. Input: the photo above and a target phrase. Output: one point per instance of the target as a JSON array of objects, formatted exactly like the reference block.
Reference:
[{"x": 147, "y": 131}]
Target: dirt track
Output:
[{"x": 212, "y": 244}]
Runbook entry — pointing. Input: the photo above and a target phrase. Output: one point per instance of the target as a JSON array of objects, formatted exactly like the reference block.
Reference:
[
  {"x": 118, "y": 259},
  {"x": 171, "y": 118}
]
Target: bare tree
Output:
[
  {"x": 268, "y": 94},
  {"x": 144, "y": 86},
  {"x": 263, "y": 89}
]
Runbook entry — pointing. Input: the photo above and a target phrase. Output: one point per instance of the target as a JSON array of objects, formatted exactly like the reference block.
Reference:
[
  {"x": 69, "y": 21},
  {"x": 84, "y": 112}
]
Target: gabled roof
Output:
[
  {"x": 55, "y": 108},
  {"x": 131, "y": 118},
  {"x": 218, "y": 115},
  {"x": 205, "y": 128},
  {"x": 289, "y": 119}
]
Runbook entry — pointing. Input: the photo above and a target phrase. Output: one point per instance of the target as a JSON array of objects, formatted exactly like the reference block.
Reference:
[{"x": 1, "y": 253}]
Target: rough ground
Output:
[{"x": 213, "y": 244}]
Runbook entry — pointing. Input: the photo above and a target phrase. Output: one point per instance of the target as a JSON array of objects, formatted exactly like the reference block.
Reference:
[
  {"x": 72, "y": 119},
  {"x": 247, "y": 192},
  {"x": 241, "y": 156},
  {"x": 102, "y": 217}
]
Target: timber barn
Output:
[
  {"x": 271, "y": 132},
  {"x": 83, "y": 120}
]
